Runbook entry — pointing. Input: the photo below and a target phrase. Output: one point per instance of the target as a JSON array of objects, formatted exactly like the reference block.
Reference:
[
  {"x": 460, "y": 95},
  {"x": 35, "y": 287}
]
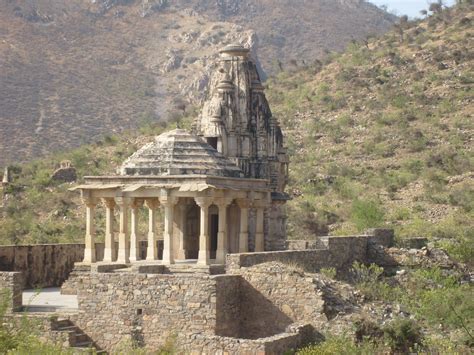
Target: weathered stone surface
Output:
[
  {"x": 396, "y": 257},
  {"x": 336, "y": 252},
  {"x": 11, "y": 285},
  {"x": 42, "y": 265},
  {"x": 236, "y": 119},
  {"x": 179, "y": 153},
  {"x": 66, "y": 172},
  {"x": 228, "y": 313}
]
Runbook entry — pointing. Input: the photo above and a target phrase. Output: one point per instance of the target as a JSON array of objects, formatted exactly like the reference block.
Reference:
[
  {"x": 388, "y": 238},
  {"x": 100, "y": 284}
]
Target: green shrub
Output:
[
  {"x": 463, "y": 196},
  {"x": 403, "y": 335},
  {"x": 340, "y": 345},
  {"x": 329, "y": 272},
  {"x": 18, "y": 336},
  {"x": 367, "y": 214}
]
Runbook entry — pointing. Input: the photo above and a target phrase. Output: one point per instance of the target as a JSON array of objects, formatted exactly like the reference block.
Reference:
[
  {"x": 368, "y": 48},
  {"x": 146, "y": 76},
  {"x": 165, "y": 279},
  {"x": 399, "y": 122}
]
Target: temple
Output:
[{"x": 220, "y": 188}]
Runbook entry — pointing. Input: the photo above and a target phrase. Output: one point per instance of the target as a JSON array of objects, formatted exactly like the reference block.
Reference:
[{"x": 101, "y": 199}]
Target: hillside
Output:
[
  {"x": 322, "y": 25},
  {"x": 73, "y": 71},
  {"x": 383, "y": 134}
]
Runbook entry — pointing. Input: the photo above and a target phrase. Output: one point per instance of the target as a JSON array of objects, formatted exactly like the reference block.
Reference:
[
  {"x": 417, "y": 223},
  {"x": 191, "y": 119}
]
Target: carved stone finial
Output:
[{"x": 234, "y": 50}]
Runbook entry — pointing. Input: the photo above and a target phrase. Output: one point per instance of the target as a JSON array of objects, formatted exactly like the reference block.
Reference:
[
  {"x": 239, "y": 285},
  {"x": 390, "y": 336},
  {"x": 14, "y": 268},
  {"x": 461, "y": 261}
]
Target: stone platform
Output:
[
  {"x": 48, "y": 300},
  {"x": 189, "y": 266}
]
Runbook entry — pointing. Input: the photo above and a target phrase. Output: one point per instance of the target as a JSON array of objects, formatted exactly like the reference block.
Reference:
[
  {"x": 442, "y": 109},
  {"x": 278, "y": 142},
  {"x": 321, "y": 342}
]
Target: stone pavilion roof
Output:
[{"x": 179, "y": 152}]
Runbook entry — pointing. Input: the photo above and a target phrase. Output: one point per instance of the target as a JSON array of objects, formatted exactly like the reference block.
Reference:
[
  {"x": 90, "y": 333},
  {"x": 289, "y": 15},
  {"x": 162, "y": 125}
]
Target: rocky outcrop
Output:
[{"x": 66, "y": 172}]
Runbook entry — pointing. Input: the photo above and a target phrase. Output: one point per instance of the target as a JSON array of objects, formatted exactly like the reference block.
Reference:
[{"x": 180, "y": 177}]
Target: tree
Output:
[{"x": 436, "y": 7}]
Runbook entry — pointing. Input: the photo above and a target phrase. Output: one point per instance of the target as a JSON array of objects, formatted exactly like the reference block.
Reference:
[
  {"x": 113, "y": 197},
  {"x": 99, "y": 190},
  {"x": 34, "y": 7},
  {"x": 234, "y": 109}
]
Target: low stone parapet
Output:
[
  {"x": 295, "y": 336},
  {"x": 332, "y": 252}
]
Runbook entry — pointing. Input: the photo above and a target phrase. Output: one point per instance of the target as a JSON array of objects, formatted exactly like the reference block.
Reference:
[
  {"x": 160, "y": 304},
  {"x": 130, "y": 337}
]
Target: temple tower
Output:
[{"x": 237, "y": 121}]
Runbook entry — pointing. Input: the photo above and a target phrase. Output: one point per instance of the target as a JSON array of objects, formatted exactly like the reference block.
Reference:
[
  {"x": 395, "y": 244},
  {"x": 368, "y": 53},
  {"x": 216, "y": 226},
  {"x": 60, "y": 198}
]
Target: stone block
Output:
[{"x": 381, "y": 236}]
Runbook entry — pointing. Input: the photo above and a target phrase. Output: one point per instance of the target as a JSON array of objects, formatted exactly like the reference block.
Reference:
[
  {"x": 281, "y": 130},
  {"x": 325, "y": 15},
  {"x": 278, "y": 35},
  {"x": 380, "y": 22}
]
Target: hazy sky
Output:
[{"x": 408, "y": 7}]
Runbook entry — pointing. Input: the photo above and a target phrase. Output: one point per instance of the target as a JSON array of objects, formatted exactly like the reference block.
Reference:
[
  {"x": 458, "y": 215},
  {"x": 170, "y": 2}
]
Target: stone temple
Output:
[
  {"x": 194, "y": 250},
  {"x": 220, "y": 188}
]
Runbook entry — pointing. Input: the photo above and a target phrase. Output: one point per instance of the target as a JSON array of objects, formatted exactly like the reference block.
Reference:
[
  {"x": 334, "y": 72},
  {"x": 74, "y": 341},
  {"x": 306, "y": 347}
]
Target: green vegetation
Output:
[
  {"x": 388, "y": 123},
  {"x": 441, "y": 308},
  {"x": 17, "y": 335}
]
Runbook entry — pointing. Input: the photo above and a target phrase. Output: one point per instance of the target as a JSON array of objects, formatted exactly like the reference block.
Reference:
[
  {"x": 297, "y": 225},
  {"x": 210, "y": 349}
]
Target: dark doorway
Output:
[
  {"x": 213, "y": 230},
  {"x": 192, "y": 232},
  {"x": 212, "y": 141}
]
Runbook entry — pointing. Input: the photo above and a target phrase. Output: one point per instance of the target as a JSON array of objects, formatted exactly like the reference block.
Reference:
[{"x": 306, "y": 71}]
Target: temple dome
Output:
[{"x": 179, "y": 152}]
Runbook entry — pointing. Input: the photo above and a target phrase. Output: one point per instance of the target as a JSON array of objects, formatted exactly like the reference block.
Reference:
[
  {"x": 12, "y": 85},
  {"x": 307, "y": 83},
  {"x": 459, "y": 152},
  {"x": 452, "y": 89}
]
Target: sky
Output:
[{"x": 408, "y": 7}]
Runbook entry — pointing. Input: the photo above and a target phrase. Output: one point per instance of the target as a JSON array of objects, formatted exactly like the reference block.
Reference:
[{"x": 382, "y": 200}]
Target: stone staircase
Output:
[{"x": 78, "y": 341}]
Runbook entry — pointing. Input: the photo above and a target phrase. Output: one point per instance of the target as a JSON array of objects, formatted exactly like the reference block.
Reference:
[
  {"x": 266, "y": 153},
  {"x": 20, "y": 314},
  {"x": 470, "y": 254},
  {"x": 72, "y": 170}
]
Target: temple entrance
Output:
[{"x": 192, "y": 232}]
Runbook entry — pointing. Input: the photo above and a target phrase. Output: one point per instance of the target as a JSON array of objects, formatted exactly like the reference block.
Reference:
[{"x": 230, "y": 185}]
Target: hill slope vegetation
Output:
[
  {"x": 383, "y": 134},
  {"x": 73, "y": 71}
]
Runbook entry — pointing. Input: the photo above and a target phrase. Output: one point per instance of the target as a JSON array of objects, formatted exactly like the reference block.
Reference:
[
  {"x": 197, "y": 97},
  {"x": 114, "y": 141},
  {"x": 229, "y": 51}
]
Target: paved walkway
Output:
[{"x": 49, "y": 300}]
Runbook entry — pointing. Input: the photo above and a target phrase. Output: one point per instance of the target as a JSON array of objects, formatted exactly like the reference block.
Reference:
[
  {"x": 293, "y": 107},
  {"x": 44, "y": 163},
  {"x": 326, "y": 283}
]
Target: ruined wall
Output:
[
  {"x": 42, "y": 265},
  {"x": 331, "y": 252},
  {"x": 150, "y": 308},
  {"x": 202, "y": 313},
  {"x": 11, "y": 286},
  {"x": 274, "y": 296},
  {"x": 294, "y": 337},
  {"x": 49, "y": 265}
]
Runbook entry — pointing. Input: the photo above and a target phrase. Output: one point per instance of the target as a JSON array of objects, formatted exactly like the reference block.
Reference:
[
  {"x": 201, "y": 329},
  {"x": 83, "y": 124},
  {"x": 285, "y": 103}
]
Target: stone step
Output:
[
  {"x": 81, "y": 338},
  {"x": 84, "y": 344},
  {"x": 59, "y": 323},
  {"x": 70, "y": 328}
]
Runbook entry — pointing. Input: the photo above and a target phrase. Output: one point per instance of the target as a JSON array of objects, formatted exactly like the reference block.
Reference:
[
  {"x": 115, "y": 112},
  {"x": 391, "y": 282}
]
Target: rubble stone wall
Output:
[
  {"x": 45, "y": 265},
  {"x": 150, "y": 309},
  {"x": 273, "y": 297},
  {"x": 49, "y": 265},
  {"x": 311, "y": 256},
  {"x": 254, "y": 312},
  {"x": 295, "y": 336},
  {"x": 11, "y": 286}
]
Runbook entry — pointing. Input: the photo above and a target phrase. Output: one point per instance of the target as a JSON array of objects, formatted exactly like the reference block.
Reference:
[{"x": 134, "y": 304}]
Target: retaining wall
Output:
[
  {"x": 49, "y": 265},
  {"x": 311, "y": 256}
]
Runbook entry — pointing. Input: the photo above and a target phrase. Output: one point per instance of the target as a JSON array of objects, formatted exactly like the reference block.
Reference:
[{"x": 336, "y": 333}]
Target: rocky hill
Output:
[
  {"x": 383, "y": 134},
  {"x": 73, "y": 71}
]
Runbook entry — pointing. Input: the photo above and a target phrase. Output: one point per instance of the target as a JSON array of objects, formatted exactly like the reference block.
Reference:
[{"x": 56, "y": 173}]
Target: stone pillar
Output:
[
  {"x": 222, "y": 248},
  {"x": 168, "y": 203},
  {"x": 109, "y": 250},
  {"x": 204, "y": 238},
  {"x": 124, "y": 246},
  {"x": 134, "y": 248},
  {"x": 244, "y": 225},
  {"x": 89, "y": 251},
  {"x": 259, "y": 234},
  {"x": 152, "y": 250},
  {"x": 182, "y": 231}
]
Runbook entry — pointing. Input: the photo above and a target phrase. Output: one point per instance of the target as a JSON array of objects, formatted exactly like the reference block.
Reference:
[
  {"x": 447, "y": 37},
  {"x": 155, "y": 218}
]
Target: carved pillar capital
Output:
[
  {"x": 223, "y": 202},
  {"x": 168, "y": 201},
  {"x": 243, "y": 203},
  {"x": 136, "y": 203},
  {"x": 90, "y": 202},
  {"x": 203, "y": 202},
  {"x": 108, "y": 202},
  {"x": 122, "y": 202}
]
